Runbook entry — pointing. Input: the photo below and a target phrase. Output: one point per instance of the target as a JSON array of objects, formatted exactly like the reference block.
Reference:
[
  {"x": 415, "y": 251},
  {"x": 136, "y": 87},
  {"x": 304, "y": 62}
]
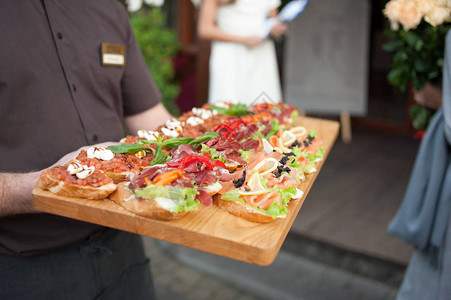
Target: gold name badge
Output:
[{"x": 113, "y": 55}]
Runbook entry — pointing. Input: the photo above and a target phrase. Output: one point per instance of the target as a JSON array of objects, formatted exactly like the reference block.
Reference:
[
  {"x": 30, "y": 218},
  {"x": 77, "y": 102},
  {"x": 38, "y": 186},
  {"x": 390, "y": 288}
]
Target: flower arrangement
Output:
[{"x": 417, "y": 39}]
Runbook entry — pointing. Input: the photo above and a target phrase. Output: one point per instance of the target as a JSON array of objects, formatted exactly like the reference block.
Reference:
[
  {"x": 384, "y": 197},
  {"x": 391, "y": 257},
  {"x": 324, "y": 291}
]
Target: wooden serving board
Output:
[{"x": 209, "y": 229}]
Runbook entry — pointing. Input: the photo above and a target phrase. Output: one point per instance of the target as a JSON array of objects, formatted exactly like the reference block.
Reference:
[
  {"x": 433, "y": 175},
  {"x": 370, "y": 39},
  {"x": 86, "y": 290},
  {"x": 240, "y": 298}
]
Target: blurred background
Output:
[
  {"x": 332, "y": 62},
  {"x": 166, "y": 31}
]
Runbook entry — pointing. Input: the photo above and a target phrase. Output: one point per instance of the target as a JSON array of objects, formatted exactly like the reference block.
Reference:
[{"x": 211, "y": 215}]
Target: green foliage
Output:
[
  {"x": 158, "y": 45},
  {"x": 418, "y": 55},
  {"x": 421, "y": 116}
]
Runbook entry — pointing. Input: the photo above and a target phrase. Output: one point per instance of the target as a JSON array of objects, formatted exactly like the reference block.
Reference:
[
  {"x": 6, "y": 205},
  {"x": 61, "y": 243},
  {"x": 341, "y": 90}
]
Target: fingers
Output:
[
  {"x": 72, "y": 155},
  {"x": 430, "y": 96},
  {"x": 419, "y": 98},
  {"x": 278, "y": 30},
  {"x": 253, "y": 41}
]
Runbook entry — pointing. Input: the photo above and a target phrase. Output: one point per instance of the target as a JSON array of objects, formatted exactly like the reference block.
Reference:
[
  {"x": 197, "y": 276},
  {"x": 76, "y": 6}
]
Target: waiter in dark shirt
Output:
[{"x": 71, "y": 75}]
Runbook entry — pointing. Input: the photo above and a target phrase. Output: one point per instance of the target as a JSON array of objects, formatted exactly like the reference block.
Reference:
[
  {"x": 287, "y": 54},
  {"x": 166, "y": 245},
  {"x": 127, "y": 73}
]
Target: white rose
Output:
[
  {"x": 437, "y": 15},
  {"x": 154, "y": 2},
  {"x": 424, "y": 6},
  {"x": 392, "y": 10},
  {"x": 409, "y": 15},
  {"x": 134, "y": 5},
  {"x": 444, "y": 3}
]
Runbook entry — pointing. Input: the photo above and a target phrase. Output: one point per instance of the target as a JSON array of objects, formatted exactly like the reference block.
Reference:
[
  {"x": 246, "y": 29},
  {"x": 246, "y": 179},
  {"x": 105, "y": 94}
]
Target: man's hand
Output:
[
  {"x": 429, "y": 96},
  {"x": 69, "y": 156},
  {"x": 278, "y": 30},
  {"x": 16, "y": 188}
]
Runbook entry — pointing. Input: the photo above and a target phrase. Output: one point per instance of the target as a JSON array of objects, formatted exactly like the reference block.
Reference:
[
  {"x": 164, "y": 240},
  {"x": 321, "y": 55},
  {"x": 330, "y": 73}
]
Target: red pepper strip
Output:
[
  {"x": 215, "y": 163},
  {"x": 223, "y": 130},
  {"x": 237, "y": 124},
  {"x": 218, "y": 163},
  {"x": 234, "y": 126},
  {"x": 203, "y": 159},
  {"x": 229, "y": 129},
  {"x": 222, "y": 126},
  {"x": 189, "y": 159}
]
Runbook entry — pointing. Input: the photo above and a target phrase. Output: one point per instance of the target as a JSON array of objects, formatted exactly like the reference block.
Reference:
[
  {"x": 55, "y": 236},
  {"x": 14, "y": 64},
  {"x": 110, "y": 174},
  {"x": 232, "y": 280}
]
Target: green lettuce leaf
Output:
[
  {"x": 319, "y": 155},
  {"x": 286, "y": 194},
  {"x": 186, "y": 197},
  {"x": 213, "y": 153},
  {"x": 294, "y": 163},
  {"x": 232, "y": 195},
  {"x": 245, "y": 154},
  {"x": 312, "y": 133},
  {"x": 274, "y": 210}
]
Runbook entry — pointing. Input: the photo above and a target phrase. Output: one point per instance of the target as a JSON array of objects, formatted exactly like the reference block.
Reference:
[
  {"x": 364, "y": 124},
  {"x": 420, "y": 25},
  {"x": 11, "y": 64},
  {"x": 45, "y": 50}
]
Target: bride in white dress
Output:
[{"x": 243, "y": 64}]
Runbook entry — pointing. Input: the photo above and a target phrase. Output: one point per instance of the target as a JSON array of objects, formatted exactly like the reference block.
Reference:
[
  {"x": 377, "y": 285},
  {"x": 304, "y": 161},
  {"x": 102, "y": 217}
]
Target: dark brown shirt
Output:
[{"x": 56, "y": 96}]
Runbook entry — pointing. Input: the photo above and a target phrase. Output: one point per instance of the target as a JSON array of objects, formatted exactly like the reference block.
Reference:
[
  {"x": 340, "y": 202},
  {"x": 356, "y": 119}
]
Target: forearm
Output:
[
  {"x": 15, "y": 193},
  {"x": 207, "y": 28},
  {"x": 213, "y": 33},
  {"x": 16, "y": 188},
  {"x": 148, "y": 120}
]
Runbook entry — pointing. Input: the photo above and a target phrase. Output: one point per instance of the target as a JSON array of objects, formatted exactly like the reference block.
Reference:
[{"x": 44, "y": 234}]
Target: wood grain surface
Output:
[{"x": 209, "y": 229}]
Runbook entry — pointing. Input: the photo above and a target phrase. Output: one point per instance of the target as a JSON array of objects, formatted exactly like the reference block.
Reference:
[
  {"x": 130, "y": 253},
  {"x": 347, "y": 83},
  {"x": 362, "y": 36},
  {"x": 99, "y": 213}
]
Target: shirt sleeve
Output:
[
  {"x": 446, "y": 101},
  {"x": 139, "y": 91}
]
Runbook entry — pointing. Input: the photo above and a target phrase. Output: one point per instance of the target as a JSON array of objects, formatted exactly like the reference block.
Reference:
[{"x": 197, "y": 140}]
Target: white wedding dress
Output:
[{"x": 239, "y": 73}]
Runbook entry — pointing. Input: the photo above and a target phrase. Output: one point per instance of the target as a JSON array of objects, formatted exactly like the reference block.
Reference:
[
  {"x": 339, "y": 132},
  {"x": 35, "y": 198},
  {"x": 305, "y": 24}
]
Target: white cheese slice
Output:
[{"x": 166, "y": 203}]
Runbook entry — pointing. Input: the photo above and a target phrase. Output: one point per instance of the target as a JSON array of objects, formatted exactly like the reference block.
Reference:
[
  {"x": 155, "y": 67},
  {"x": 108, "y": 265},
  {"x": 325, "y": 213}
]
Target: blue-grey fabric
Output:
[
  {"x": 425, "y": 281},
  {"x": 110, "y": 265},
  {"x": 422, "y": 219},
  {"x": 423, "y": 216},
  {"x": 447, "y": 88}
]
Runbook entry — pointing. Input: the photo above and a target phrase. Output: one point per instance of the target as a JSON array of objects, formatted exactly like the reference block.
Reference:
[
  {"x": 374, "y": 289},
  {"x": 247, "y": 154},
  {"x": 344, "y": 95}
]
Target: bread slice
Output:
[
  {"x": 143, "y": 207},
  {"x": 242, "y": 210},
  {"x": 118, "y": 177},
  {"x": 47, "y": 182}
]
